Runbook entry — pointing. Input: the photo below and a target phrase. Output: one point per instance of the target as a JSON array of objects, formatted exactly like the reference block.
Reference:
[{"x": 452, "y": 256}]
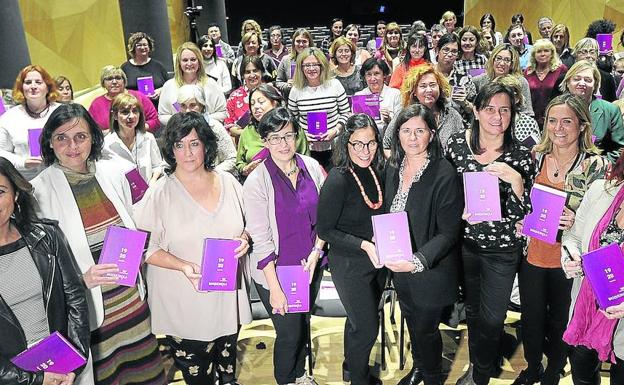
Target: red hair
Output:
[{"x": 18, "y": 94}]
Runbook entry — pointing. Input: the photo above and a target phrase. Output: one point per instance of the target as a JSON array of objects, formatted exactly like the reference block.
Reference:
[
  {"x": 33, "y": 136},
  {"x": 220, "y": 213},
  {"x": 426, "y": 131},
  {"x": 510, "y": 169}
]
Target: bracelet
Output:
[{"x": 319, "y": 250}]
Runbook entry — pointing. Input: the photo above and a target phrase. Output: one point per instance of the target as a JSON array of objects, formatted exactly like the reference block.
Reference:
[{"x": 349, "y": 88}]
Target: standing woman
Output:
[
  {"x": 314, "y": 90},
  {"x": 335, "y": 32},
  {"x": 215, "y": 66},
  {"x": 449, "y": 20},
  {"x": 380, "y": 33},
  {"x": 301, "y": 39},
  {"x": 37, "y": 268},
  {"x": 470, "y": 57},
  {"x": 560, "y": 37},
  {"x": 344, "y": 68},
  {"x": 542, "y": 74},
  {"x": 567, "y": 160},
  {"x": 516, "y": 35},
  {"x": 350, "y": 196},
  {"x": 416, "y": 53},
  {"x": 490, "y": 247},
  {"x": 276, "y": 49},
  {"x": 65, "y": 89},
  {"x": 424, "y": 184},
  {"x": 129, "y": 140},
  {"x": 487, "y": 22},
  {"x": 252, "y": 46},
  {"x": 201, "y": 327},
  {"x": 189, "y": 69},
  {"x": 36, "y": 94},
  {"x": 353, "y": 34},
  {"x": 86, "y": 195},
  {"x": 281, "y": 197},
  {"x": 393, "y": 45}
]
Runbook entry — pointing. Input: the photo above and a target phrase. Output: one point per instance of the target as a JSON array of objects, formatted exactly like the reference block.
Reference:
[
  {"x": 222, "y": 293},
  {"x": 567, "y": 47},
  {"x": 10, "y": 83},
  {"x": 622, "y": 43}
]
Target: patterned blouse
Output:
[
  {"x": 465, "y": 66},
  {"x": 499, "y": 235},
  {"x": 526, "y": 127},
  {"x": 613, "y": 233}
]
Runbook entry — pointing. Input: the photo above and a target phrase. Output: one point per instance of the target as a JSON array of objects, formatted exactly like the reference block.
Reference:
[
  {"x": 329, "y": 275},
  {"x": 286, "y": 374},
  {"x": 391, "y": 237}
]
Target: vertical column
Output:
[
  {"x": 213, "y": 12},
  {"x": 12, "y": 43},
  {"x": 149, "y": 16}
]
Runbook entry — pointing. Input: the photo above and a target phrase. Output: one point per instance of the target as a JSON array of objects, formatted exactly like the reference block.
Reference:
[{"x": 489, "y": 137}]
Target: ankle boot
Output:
[{"x": 414, "y": 377}]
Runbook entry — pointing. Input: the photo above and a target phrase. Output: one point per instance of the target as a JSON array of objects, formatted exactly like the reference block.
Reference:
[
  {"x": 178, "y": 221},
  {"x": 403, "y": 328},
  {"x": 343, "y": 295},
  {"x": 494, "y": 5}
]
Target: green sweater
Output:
[{"x": 250, "y": 143}]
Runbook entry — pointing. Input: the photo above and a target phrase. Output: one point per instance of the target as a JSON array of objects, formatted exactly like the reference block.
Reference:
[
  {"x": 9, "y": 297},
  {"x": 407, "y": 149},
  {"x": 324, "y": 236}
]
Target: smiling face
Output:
[
  {"x": 588, "y": 53},
  {"x": 311, "y": 69},
  {"x": 364, "y": 157},
  {"x": 563, "y": 126},
  {"x": 381, "y": 30},
  {"x": 142, "y": 48},
  {"x": 276, "y": 38},
  {"x": 427, "y": 90},
  {"x": 415, "y": 136},
  {"x": 260, "y": 105},
  {"x": 495, "y": 117},
  {"x": 393, "y": 37},
  {"x": 252, "y": 76},
  {"x": 448, "y": 54},
  {"x": 285, "y": 143},
  {"x": 502, "y": 63},
  {"x": 582, "y": 83},
  {"x": 189, "y": 62},
  {"x": 468, "y": 43},
  {"x": 34, "y": 88},
  {"x": 374, "y": 79},
  {"x": 353, "y": 35},
  {"x": 207, "y": 50},
  {"x": 435, "y": 37},
  {"x": 516, "y": 37},
  {"x": 300, "y": 43},
  {"x": 252, "y": 45},
  {"x": 214, "y": 33},
  {"x": 337, "y": 28},
  {"x": 449, "y": 24},
  {"x": 114, "y": 85},
  {"x": 7, "y": 200},
  {"x": 343, "y": 54},
  {"x": 71, "y": 143},
  {"x": 189, "y": 153}
]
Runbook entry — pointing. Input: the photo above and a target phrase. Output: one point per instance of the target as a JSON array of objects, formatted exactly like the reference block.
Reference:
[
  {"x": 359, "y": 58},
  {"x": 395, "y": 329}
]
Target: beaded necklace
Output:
[{"x": 367, "y": 200}]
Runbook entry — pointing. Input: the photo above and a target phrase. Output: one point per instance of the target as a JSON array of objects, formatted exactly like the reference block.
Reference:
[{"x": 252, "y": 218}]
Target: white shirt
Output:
[
  {"x": 390, "y": 99},
  {"x": 145, "y": 154},
  {"x": 220, "y": 72}
]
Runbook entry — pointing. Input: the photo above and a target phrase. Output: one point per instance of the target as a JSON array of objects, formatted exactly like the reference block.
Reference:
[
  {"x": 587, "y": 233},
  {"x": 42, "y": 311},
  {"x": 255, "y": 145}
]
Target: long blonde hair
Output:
[
  {"x": 202, "y": 78},
  {"x": 300, "y": 79}
]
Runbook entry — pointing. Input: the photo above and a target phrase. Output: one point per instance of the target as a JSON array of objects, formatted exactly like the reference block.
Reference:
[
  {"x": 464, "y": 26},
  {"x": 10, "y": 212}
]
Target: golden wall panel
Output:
[{"x": 178, "y": 23}]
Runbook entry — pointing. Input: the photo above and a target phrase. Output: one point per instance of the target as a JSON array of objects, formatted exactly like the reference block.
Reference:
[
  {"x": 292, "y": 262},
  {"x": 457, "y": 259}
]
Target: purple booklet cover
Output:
[
  {"x": 605, "y": 42},
  {"x": 296, "y": 286},
  {"x": 476, "y": 71},
  {"x": 543, "y": 222},
  {"x": 146, "y": 85},
  {"x": 482, "y": 196},
  {"x": 218, "y": 50},
  {"x": 219, "y": 265},
  {"x": 244, "y": 120},
  {"x": 317, "y": 123},
  {"x": 366, "y": 104},
  {"x": 138, "y": 185},
  {"x": 378, "y": 41},
  {"x": 52, "y": 354},
  {"x": 176, "y": 106},
  {"x": 262, "y": 154},
  {"x": 604, "y": 268},
  {"x": 33, "y": 141},
  {"x": 124, "y": 247},
  {"x": 293, "y": 66},
  {"x": 2, "y": 107},
  {"x": 392, "y": 237}
]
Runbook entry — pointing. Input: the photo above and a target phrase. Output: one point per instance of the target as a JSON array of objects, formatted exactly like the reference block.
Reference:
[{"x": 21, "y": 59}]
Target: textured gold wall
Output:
[
  {"x": 576, "y": 14},
  {"x": 178, "y": 23}
]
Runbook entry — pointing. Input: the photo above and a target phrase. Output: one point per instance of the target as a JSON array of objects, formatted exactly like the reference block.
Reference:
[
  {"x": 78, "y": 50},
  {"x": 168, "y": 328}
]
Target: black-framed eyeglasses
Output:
[
  {"x": 276, "y": 139},
  {"x": 359, "y": 146}
]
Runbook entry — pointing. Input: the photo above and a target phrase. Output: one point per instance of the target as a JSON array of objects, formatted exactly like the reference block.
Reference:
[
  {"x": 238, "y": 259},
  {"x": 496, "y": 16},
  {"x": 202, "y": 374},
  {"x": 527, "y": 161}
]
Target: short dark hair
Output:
[
  {"x": 257, "y": 62},
  {"x": 24, "y": 206},
  {"x": 340, "y": 155},
  {"x": 178, "y": 127},
  {"x": 518, "y": 18},
  {"x": 414, "y": 110},
  {"x": 210, "y": 25},
  {"x": 67, "y": 113},
  {"x": 445, "y": 39},
  {"x": 270, "y": 92},
  {"x": 486, "y": 93},
  {"x": 275, "y": 120},
  {"x": 371, "y": 63}
]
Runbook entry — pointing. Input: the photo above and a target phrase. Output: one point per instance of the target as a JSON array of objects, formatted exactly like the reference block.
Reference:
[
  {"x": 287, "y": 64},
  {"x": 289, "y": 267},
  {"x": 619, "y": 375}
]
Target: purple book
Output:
[
  {"x": 176, "y": 106},
  {"x": 482, "y": 196},
  {"x": 392, "y": 237},
  {"x": 218, "y": 50},
  {"x": 366, "y": 104},
  {"x": 378, "y": 41},
  {"x": 52, "y": 354},
  {"x": 124, "y": 247},
  {"x": 604, "y": 268},
  {"x": 476, "y": 71},
  {"x": 295, "y": 283},
  {"x": 33, "y": 141},
  {"x": 244, "y": 120},
  {"x": 262, "y": 154},
  {"x": 293, "y": 66},
  {"x": 605, "y": 42},
  {"x": 317, "y": 123},
  {"x": 219, "y": 265},
  {"x": 145, "y": 85},
  {"x": 138, "y": 185},
  {"x": 543, "y": 222},
  {"x": 2, "y": 107}
]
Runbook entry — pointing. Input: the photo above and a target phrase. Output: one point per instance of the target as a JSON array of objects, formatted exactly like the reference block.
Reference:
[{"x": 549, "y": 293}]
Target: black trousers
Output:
[
  {"x": 291, "y": 330},
  {"x": 423, "y": 327},
  {"x": 545, "y": 299},
  {"x": 200, "y": 361},
  {"x": 488, "y": 280},
  {"x": 586, "y": 366},
  {"x": 359, "y": 286}
]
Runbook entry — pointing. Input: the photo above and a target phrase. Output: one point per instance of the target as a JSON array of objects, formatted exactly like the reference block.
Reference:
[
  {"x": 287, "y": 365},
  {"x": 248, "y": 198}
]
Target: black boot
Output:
[
  {"x": 414, "y": 377},
  {"x": 346, "y": 375}
]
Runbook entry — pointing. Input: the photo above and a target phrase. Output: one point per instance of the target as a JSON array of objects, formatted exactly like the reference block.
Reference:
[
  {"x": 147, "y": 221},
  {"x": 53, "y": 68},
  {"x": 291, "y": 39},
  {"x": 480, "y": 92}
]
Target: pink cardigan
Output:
[{"x": 100, "y": 111}]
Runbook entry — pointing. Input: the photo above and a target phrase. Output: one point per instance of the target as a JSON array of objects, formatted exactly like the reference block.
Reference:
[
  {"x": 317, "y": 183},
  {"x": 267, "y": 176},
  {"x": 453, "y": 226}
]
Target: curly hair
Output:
[
  {"x": 411, "y": 83},
  {"x": 599, "y": 26}
]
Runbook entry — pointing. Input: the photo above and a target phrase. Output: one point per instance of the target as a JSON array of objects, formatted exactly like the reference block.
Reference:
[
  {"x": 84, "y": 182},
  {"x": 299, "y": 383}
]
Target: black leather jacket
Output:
[{"x": 64, "y": 296}]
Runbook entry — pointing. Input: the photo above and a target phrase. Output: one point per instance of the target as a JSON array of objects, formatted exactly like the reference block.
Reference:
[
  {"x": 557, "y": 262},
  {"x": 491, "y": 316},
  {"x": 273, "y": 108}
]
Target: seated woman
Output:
[
  {"x": 40, "y": 287},
  {"x": 301, "y": 39},
  {"x": 422, "y": 183},
  {"x": 201, "y": 327},
  {"x": 416, "y": 54},
  {"x": 380, "y": 31},
  {"x": 86, "y": 194},
  {"x": 215, "y": 66},
  {"x": 191, "y": 98},
  {"x": 594, "y": 335},
  {"x": 343, "y": 67},
  {"x": 262, "y": 99},
  {"x": 65, "y": 89},
  {"x": 487, "y": 21},
  {"x": 252, "y": 43},
  {"x": 470, "y": 59},
  {"x": 129, "y": 140},
  {"x": 392, "y": 46},
  {"x": 352, "y": 32},
  {"x": 36, "y": 94},
  {"x": 281, "y": 197},
  {"x": 114, "y": 80},
  {"x": 238, "y": 102}
]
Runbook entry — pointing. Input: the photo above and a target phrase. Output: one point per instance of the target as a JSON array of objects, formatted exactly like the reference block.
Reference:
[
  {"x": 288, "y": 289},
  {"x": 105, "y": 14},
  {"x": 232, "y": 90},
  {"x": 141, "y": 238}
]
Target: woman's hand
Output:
[
  {"x": 58, "y": 379},
  {"x": 251, "y": 166},
  {"x": 244, "y": 246},
  {"x": 70, "y": 379},
  {"x": 459, "y": 95},
  {"x": 235, "y": 131},
  {"x": 504, "y": 172},
  {"x": 567, "y": 219},
  {"x": 33, "y": 162},
  {"x": 330, "y": 134},
  {"x": 311, "y": 137},
  {"x": 572, "y": 266},
  {"x": 519, "y": 228},
  {"x": 192, "y": 272},
  {"x": 371, "y": 251},
  {"x": 614, "y": 312},
  {"x": 385, "y": 114},
  {"x": 401, "y": 266},
  {"x": 98, "y": 275},
  {"x": 156, "y": 94},
  {"x": 309, "y": 264},
  {"x": 466, "y": 216},
  {"x": 278, "y": 301}
]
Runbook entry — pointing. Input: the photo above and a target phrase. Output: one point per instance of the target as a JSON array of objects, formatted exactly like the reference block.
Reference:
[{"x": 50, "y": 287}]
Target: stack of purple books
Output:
[
  {"x": 392, "y": 237},
  {"x": 317, "y": 123},
  {"x": 604, "y": 268},
  {"x": 123, "y": 247},
  {"x": 52, "y": 354},
  {"x": 33, "y": 141},
  {"x": 138, "y": 185},
  {"x": 295, "y": 284},
  {"x": 482, "y": 196},
  {"x": 219, "y": 265},
  {"x": 543, "y": 222},
  {"x": 366, "y": 104}
]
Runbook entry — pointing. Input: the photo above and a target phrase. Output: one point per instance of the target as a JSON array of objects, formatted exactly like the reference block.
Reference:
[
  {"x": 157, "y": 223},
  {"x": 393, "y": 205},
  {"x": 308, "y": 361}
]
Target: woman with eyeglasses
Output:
[
  {"x": 315, "y": 91},
  {"x": 237, "y": 103},
  {"x": 516, "y": 35},
  {"x": 416, "y": 53},
  {"x": 491, "y": 246},
  {"x": 504, "y": 61},
  {"x": 301, "y": 39},
  {"x": 281, "y": 197},
  {"x": 421, "y": 182},
  {"x": 114, "y": 80},
  {"x": 215, "y": 66},
  {"x": 86, "y": 192},
  {"x": 470, "y": 59},
  {"x": 343, "y": 67},
  {"x": 587, "y": 49},
  {"x": 351, "y": 194},
  {"x": 276, "y": 49},
  {"x": 392, "y": 46}
]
